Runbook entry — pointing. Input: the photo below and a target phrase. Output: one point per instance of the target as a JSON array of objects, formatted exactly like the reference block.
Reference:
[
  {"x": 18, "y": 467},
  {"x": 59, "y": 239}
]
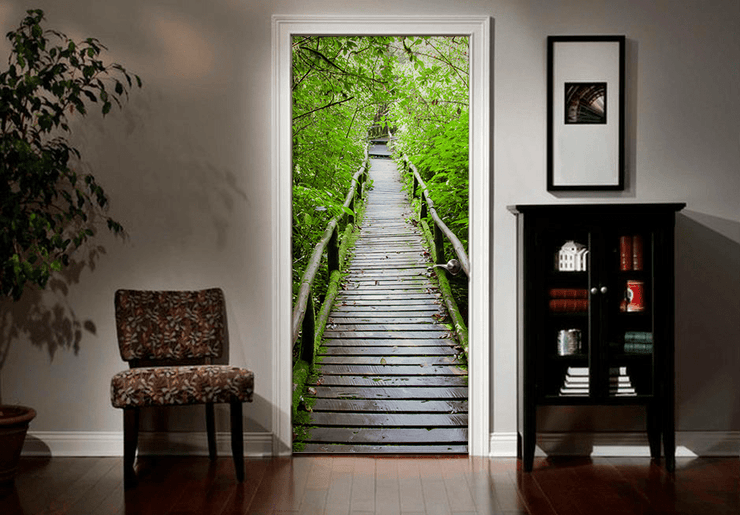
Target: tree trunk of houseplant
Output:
[{"x": 14, "y": 422}]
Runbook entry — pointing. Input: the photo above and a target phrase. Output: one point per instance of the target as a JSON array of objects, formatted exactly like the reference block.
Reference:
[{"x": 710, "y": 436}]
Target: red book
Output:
[
  {"x": 637, "y": 252},
  {"x": 568, "y": 305},
  {"x": 625, "y": 253},
  {"x": 568, "y": 293}
]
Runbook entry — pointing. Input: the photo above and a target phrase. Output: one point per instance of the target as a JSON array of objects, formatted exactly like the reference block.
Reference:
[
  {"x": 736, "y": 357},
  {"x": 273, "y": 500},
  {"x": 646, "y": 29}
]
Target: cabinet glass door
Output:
[
  {"x": 629, "y": 343},
  {"x": 564, "y": 340}
]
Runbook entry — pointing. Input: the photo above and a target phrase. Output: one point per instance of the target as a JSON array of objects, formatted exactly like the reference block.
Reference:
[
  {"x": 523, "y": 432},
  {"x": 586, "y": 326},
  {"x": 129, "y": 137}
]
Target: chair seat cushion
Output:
[{"x": 179, "y": 385}]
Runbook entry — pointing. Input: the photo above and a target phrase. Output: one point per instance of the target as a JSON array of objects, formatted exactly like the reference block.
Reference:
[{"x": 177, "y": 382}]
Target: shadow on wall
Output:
[
  {"x": 707, "y": 345},
  {"x": 707, "y": 327},
  {"x": 44, "y": 317}
]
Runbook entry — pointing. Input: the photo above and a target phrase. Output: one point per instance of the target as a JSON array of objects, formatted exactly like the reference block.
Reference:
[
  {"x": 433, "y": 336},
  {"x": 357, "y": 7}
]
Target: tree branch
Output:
[{"x": 324, "y": 107}]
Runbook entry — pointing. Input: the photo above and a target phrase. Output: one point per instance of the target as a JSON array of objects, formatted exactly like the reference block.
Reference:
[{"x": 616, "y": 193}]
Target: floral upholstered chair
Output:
[{"x": 169, "y": 339}]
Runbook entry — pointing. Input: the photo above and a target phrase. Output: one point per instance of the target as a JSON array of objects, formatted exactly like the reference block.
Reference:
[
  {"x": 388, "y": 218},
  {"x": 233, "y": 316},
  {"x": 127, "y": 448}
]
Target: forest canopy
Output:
[{"x": 341, "y": 86}]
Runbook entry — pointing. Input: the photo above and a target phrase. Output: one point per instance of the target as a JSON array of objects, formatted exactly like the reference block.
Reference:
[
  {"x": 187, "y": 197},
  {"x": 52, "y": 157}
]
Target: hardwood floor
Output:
[{"x": 383, "y": 485}]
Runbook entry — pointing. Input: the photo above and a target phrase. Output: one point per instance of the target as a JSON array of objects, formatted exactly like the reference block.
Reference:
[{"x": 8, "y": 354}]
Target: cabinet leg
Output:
[
  {"x": 669, "y": 447},
  {"x": 654, "y": 430},
  {"x": 528, "y": 440},
  {"x": 669, "y": 424},
  {"x": 519, "y": 440},
  {"x": 528, "y": 452}
]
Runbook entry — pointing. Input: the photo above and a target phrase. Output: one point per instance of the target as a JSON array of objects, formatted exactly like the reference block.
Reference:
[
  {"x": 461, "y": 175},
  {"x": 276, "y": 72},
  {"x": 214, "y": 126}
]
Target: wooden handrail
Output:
[
  {"x": 457, "y": 245},
  {"x": 441, "y": 230},
  {"x": 329, "y": 236}
]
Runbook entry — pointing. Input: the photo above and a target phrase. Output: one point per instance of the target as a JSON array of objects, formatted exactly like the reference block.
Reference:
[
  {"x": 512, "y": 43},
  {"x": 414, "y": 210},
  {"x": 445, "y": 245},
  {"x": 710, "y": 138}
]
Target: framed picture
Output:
[{"x": 585, "y": 113}]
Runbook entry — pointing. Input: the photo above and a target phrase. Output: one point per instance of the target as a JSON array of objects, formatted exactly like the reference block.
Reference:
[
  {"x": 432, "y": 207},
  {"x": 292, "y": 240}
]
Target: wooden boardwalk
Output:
[{"x": 388, "y": 378}]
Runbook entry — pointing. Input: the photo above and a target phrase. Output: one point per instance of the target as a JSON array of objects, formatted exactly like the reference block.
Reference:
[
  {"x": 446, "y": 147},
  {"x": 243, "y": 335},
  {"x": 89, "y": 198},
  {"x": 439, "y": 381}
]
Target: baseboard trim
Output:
[
  {"x": 502, "y": 445},
  {"x": 710, "y": 443},
  {"x": 688, "y": 444},
  {"x": 110, "y": 443}
]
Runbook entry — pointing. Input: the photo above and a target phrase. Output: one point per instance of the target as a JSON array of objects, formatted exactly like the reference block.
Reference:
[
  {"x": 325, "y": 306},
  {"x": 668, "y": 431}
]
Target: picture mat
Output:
[{"x": 585, "y": 154}]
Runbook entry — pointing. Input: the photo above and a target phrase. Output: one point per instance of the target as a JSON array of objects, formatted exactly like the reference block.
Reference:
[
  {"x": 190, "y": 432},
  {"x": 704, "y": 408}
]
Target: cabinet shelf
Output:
[
  {"x": 556, "y": 277},
  {"x": 585, "y": 400},
  {"x": 578, "y": 357},
  {"x": 631, "y": 273},
  {"x": 560, "y": 315},
  {"x": 591, "y": 313},
  {"x": 631, "y": 356},
  {"x": 632, "y": 315}
]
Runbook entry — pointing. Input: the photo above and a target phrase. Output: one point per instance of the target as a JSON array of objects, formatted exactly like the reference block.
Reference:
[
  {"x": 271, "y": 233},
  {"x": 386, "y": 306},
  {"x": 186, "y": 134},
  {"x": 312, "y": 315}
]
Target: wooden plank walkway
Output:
[{"x": 388, "y": 377}]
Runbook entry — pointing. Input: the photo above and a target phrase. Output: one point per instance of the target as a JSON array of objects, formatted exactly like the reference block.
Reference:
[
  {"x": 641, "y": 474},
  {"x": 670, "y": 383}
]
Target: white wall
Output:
[{"x": 187, "y": 167}]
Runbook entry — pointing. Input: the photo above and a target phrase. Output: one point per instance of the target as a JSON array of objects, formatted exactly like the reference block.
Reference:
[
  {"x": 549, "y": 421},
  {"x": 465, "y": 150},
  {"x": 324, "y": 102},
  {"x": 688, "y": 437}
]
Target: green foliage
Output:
[
  {"x": 339, "y": 85},
  {"x": 431, "y": 113},
  {"x": 48, "y": 210}
]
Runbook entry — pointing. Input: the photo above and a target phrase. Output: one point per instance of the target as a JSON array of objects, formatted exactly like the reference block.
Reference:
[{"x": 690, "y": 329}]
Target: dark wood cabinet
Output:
[{"x": 596, "y": 322}]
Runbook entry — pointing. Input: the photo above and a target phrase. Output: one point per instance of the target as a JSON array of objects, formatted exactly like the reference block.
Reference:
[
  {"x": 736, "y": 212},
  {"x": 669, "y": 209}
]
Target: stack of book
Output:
[
  {"x": 638, "y": 342},
  {"x": 630, "y": 252},
  {"x": 576, "y": 382},
  {"x": 568, "y": 300},
  {"x": 620, "y": 383}
]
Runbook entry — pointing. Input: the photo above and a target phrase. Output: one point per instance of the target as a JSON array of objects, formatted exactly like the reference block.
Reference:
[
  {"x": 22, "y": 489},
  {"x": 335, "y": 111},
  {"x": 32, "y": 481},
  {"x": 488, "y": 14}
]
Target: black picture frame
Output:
[{"x": 585, "y": 113}]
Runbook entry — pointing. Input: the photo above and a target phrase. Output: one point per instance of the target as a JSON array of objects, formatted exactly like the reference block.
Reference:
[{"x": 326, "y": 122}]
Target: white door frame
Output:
[{"x": 479, "y": 30}]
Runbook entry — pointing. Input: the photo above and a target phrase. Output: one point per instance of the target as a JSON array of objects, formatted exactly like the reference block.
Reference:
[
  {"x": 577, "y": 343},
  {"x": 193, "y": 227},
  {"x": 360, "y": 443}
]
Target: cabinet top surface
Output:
[{"x": 599, "y": 207}]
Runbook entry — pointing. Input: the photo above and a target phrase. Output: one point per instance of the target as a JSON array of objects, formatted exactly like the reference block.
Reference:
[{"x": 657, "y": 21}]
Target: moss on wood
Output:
[
  {"x": 301, "y": 371},
  {"x": 458, "y": 322}
]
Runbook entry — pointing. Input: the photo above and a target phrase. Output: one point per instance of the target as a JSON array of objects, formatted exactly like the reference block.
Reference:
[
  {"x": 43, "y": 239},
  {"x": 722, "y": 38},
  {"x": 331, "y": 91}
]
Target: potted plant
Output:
[{"x": 47, "y": 209}]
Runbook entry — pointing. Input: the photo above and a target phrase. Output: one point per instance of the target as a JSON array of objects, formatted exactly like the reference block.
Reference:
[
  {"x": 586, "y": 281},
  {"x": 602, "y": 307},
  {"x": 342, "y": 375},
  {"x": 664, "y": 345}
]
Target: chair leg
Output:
[
  {"x": 130, "y": 443},
  {"x": 211, "y": 431},
  {"x": 237, "y": 439}
]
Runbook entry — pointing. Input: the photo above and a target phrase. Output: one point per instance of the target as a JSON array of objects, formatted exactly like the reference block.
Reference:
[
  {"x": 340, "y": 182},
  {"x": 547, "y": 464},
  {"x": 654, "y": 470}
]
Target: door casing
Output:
[{"x": 479, "y": 30}]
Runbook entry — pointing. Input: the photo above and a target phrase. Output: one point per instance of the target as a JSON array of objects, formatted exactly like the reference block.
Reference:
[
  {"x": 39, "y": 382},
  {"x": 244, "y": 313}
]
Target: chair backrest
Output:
[{"x": 170, "y": 325}]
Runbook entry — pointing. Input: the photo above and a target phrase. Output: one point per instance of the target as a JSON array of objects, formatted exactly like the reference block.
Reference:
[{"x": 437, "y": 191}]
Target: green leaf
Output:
[{"x": 37, "y": 161}]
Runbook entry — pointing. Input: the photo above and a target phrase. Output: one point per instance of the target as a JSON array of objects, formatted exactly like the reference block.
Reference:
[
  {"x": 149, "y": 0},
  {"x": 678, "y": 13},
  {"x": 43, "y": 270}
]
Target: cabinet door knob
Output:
[
  {"x": 594, "y": 290},
  {"x": 603, "y": 289}
]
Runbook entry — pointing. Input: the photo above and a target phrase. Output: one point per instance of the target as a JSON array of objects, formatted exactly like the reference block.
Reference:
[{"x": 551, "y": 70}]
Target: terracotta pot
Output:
[{"x": 14, "y": 422}]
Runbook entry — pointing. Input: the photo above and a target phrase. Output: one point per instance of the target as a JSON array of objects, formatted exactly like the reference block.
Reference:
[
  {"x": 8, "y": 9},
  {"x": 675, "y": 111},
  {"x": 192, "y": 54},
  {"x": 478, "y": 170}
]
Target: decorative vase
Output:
[{"x": 14, "y": 422}]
